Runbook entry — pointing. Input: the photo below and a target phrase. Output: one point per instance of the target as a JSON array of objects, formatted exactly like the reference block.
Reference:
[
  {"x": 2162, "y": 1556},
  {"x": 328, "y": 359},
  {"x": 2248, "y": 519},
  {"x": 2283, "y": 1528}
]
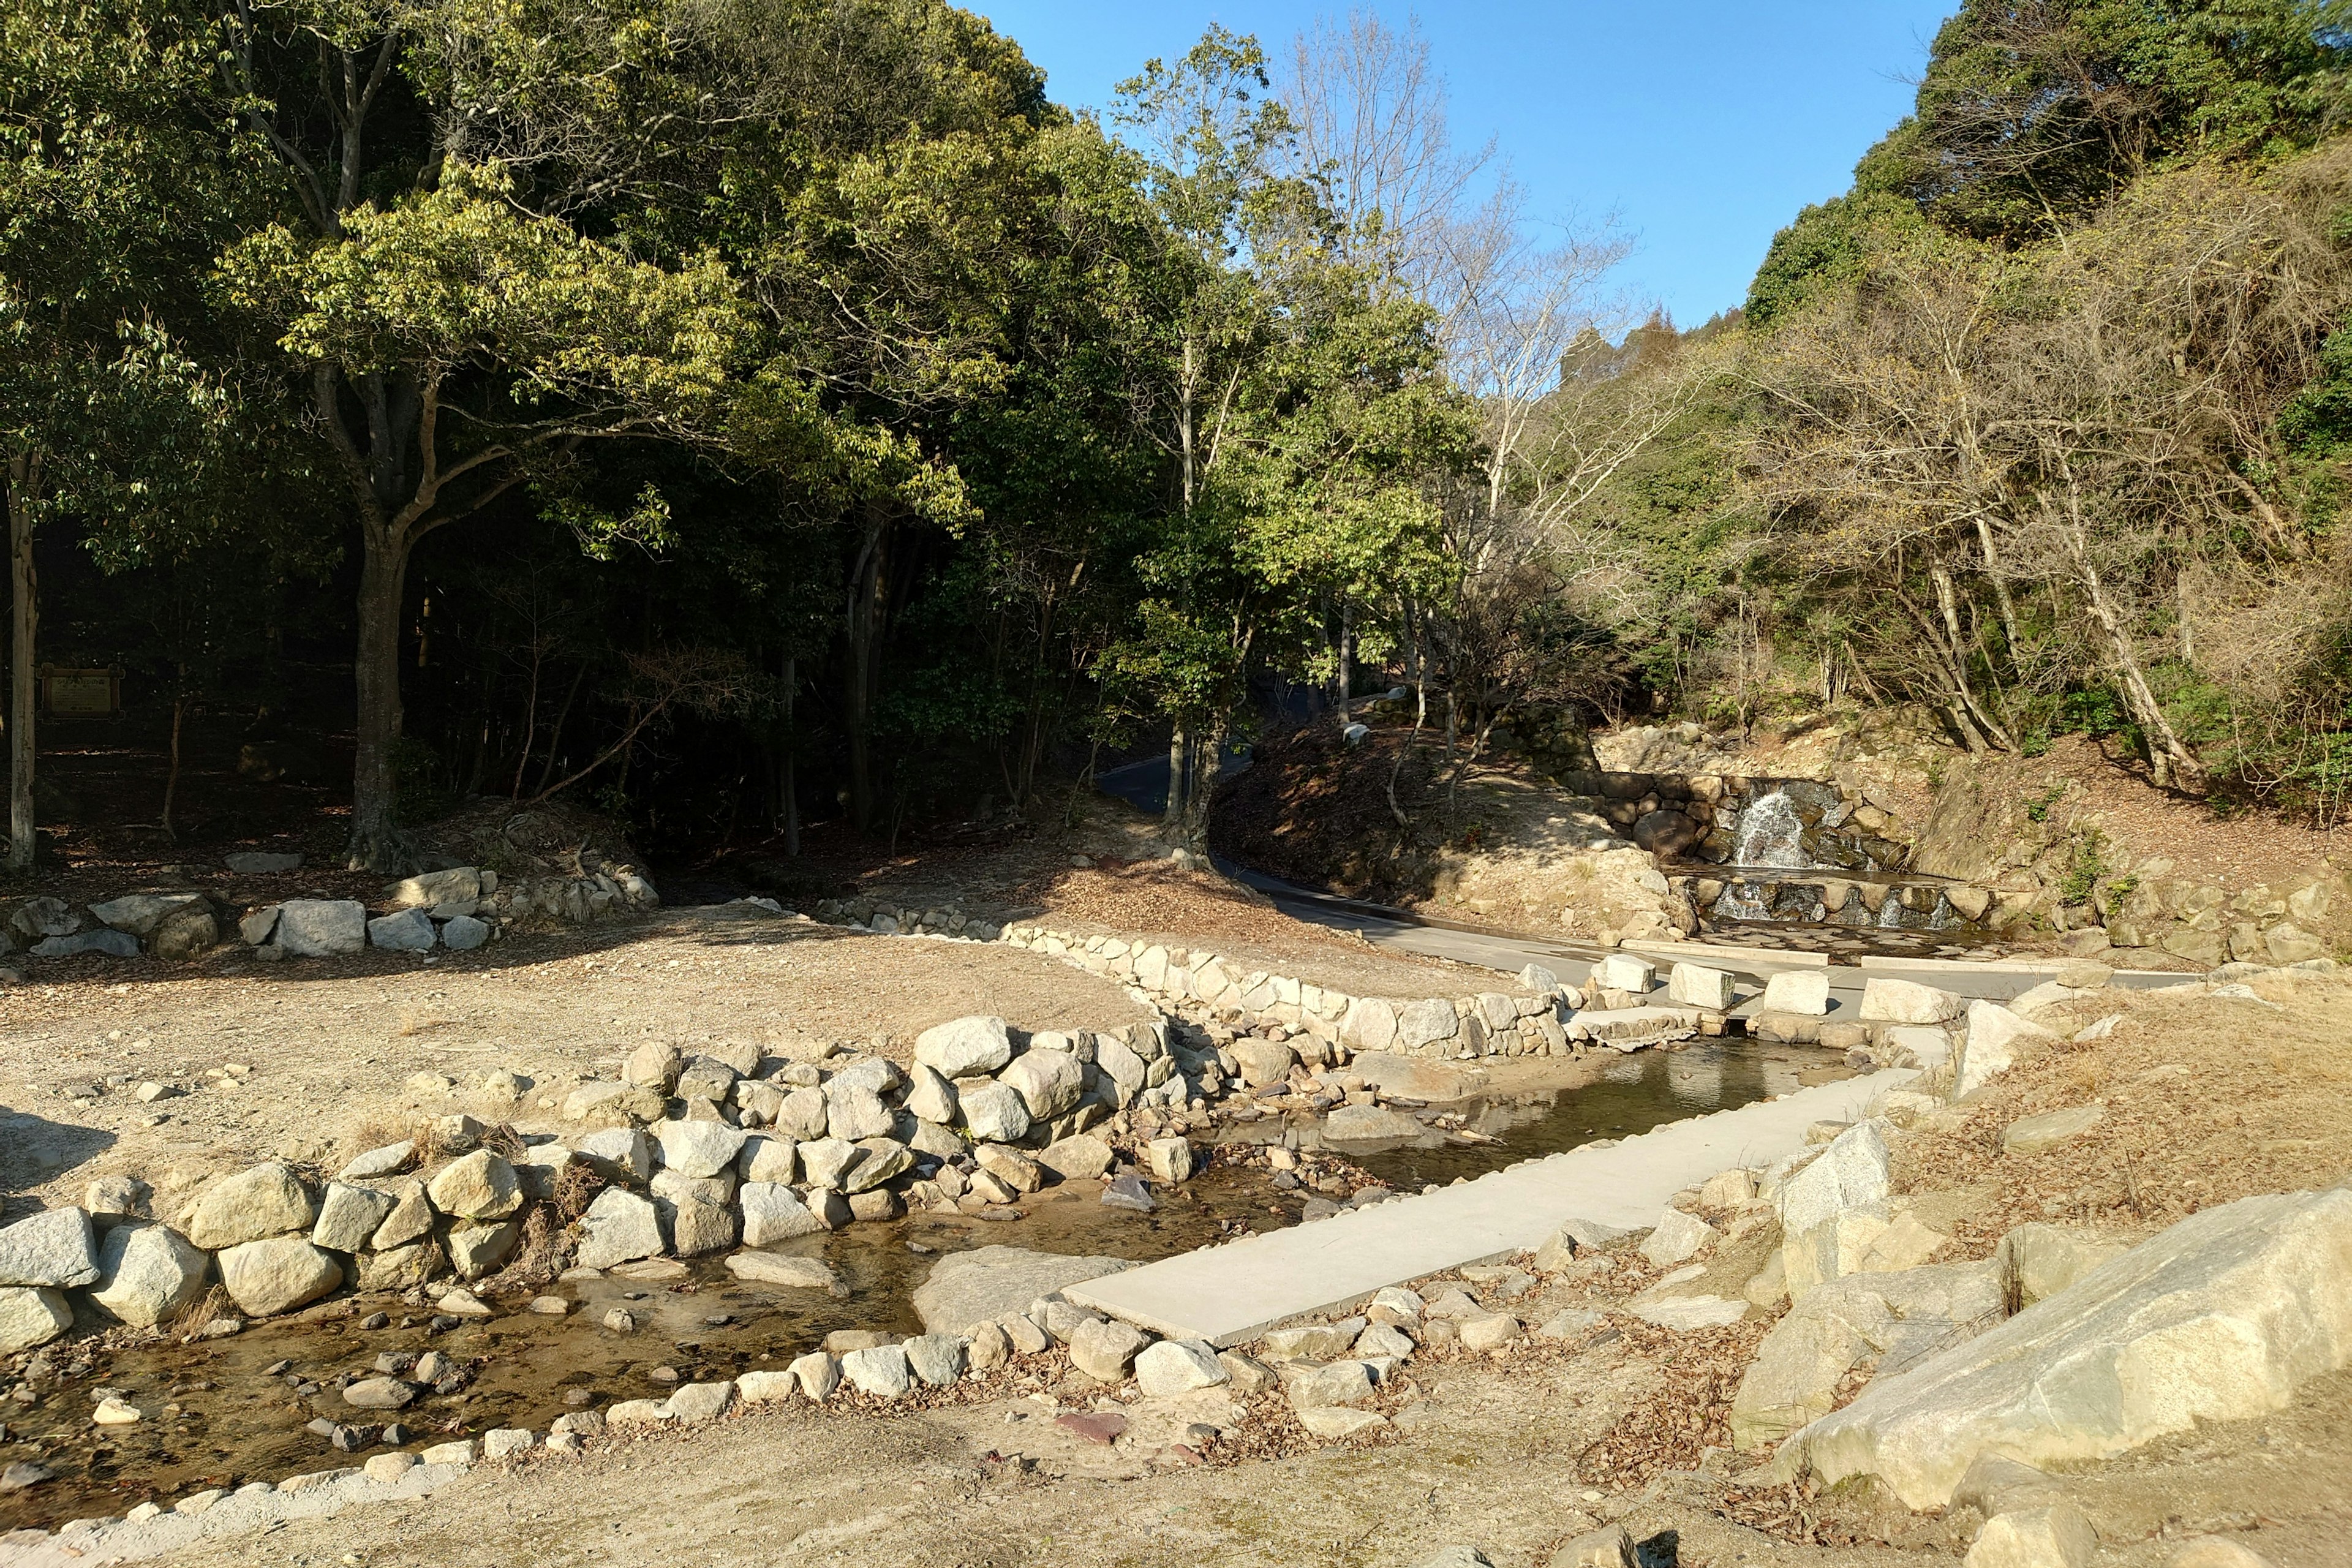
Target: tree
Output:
[
  {"x": 2031, "y": 113},
  {"x": 111, "y": 197}
]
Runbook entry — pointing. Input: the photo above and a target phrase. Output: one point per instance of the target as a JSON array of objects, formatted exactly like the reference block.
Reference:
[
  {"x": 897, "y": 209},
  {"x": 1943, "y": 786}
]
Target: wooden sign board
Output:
[{"x": 80, "y": 693}]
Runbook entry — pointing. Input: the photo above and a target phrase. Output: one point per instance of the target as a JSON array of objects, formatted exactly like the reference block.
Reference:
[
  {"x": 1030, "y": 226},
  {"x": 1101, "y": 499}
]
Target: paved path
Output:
[
  {"x": 1230, "y": 1294},
  {"x": 1404, "y": 932}
]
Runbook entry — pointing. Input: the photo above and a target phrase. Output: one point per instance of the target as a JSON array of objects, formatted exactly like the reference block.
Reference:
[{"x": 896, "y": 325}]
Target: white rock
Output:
[
  {"x": 1178, "y": 1366},
  {"x": 2223, "y": 1316},
  {"x": 1677, "y": 1239},
  {"x": 774, "y": 1213},
  {"x": 817, "y": 1374},
  {"x": 826, "y": 1161},
  {"x": 499, "y": 1442},
  {"x": 620, "y": 1153},
  {"x": 964, "y": 1046},
  {"x": 768, "y": 1157},
  {"x": 1623, "y": 971},
  {"x": 1170, "y": 1159},
  {"x": 619, "y": 1227},
  {"x": 881, "y": 1372},
  {"x": 56, "y": 1247},
  {"x": 1996, "y": 1040},
  {"x": 1890, "y": 1001},
  {"x": 698, "y": 1148},
  {"x": 1833, "y": 1209},
  {"x": 267, "y": 1200},
  {"x": 1695, "y": 986},
  {"x": 2057, "y": 1536},
  {"x": 31, "y": 1316},
  {"x": 930, "y": 1096},
  {"x": 1103, "y": 1349},
  {"x": 1804, "y": 991},
  {"x": 993, "y": 1112},
  {"x": 1050, "y": 1083},
  {"x": 277, "y": 1275},
  {"x": 147, "y": 1272},
  {"x": 854, "y": 1112},
  {"x": 389, "y": 1160},
  {"x": 693, "y": 1404},
  {"x": 937, "y": 1359},
  {"x": 480, "y": 1186}
]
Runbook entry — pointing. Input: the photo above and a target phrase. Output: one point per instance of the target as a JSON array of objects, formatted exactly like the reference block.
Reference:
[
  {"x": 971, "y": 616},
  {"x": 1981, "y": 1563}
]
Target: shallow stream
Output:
[{"x": 220, "y": 1413}]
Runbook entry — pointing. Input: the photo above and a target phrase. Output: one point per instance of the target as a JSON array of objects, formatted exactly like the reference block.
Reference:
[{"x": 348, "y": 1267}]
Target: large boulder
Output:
[
  {"x": 267, "y": 1200},
  {"x": 1804, "y": 991},
  {"x": 773, "y": 1213},
  {"x": 265, "y": 1278},
  {"x": 993, "y": 1112},
  {"x": 1833, "y": 1209},
  {"x": 147, "y": 1272},
  {"x": 964, "y": 1046},
  {"x": 619, "y": 1227},
  {"x": 1996, "y": 1040},
  {"x": 480, "y": 1185},
  {"x": 1867, "y": 1323},
  {"x": 968, "y": 1288},
  {"x": 698, "y": 1148},
  {"x": 349, "y": 1215},
  {"x": 410, "y": 931},
  {"x": 30, "y": 1316},
  {"x": 140, "y": 913},
  {"x": 1888, "y": 1001},
  {"x": 1050, "y": 1083},
  {"x": 55, "y": 1247},
  {"x": 2223, "y": 1316},
  {"x": 321, "y": 928}
]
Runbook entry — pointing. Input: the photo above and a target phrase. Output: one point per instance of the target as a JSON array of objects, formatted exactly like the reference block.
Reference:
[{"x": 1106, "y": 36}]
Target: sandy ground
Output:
[{"x": 333, "y": 1043}]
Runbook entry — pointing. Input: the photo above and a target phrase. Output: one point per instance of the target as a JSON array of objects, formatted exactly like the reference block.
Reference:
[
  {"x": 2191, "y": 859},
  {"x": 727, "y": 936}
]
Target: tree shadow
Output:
[{"x": 34, "y": 1150}]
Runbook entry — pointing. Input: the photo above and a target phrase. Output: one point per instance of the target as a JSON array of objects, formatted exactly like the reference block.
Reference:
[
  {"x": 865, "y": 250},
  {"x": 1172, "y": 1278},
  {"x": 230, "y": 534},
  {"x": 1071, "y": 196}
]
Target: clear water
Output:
[{"x": 1625, "y": 1095}]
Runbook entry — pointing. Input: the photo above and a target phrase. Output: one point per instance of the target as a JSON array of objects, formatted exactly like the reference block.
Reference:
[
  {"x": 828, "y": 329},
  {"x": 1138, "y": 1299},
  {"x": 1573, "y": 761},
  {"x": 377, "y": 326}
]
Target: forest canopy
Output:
[{"x": 752, "y": 413}]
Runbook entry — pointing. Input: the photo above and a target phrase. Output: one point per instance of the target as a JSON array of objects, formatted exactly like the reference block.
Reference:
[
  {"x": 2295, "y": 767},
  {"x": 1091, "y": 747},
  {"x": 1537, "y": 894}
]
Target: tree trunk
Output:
[
  {"x": 377, "y": 844},
  {"x": 1210, "y": 757},
  {"x": 1346, "y": 658},
  {"x": 2170, "y": 762},
  {"x": 791, "y": 782},
  {"x": 555, "y": 736},
  {"x": 172, "y": 778},
  {"x": 2000, "y": 594},
  {"x": 1175, "y": 811},
  {"x": 866, "y": 584},
  {"x": 24, "y": 481}
]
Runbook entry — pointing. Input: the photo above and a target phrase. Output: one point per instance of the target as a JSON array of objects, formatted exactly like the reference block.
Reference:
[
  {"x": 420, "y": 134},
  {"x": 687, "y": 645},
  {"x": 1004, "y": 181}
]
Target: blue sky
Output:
[{"x": 1702, "y": 126}]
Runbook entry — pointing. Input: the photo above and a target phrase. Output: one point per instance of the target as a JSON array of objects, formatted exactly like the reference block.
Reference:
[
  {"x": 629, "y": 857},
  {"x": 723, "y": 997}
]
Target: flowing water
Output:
[{"x": 1771, "y": 834}]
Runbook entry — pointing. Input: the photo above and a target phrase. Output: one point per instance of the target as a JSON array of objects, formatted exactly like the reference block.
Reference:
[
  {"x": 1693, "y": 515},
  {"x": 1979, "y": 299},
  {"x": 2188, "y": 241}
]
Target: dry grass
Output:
[{"x": 2260, "y": 1108}]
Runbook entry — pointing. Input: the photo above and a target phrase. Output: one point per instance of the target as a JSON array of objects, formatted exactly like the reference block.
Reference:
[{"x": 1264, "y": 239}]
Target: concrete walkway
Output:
[{"x": 1230, "y": 1294}]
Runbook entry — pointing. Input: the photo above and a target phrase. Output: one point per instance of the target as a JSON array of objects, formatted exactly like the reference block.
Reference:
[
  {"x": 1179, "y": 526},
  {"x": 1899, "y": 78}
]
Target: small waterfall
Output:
[{"x": 1771, "y": 834}]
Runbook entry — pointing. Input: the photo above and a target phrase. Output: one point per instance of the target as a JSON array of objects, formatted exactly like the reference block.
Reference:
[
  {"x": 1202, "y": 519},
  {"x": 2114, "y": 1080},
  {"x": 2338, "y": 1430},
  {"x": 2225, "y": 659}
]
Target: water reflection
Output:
[{"x": 1626, "y": 1095}]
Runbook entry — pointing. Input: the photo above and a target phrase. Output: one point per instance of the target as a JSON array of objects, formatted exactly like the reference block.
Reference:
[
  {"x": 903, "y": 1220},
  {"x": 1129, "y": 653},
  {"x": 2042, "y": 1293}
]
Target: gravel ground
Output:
[{"x": 332, "y": 1044}]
